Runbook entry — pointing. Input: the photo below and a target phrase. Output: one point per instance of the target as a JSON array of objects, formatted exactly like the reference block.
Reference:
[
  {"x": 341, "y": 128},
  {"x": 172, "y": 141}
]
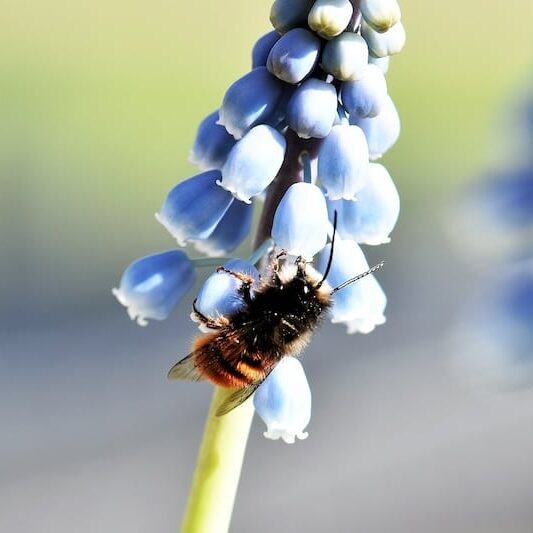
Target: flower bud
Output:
[
  {"x": 301, "y": 223},
  {"x": 262, "y": 48},
  {"x": 283, "y": 401},
  {"x": 229, "y": 232},
  {"x": 384, "y": 44},
  {"x": 312, "y": 109},
  {"x": 220, "y": 294},
  {"x": 211, "y": 145},
  {"x": 151, "y": 286},
  {"x": 365, "y": 97},
  {"x": 360, "y": 305},
  {"x": 249, "y": 101},
  {"x": 381, "y": 131},
  {"x": 329, "y": 18},
  {"x": 345, "y": 57},
  {"x": 343, "y": 162},
  {"x": 381, "y": 14},
  {"x": 294, "y": 56},
  {"x": 370, "y": 219},
  {"x": 288, "y": 14},
  {"x": 253, "y": 162},
  {"x": 194, "y": 207}
]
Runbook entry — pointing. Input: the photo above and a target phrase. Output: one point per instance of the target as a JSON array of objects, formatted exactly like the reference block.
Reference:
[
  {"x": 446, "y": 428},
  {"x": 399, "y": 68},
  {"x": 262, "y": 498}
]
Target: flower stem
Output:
[{"x": 218, "y": 468}]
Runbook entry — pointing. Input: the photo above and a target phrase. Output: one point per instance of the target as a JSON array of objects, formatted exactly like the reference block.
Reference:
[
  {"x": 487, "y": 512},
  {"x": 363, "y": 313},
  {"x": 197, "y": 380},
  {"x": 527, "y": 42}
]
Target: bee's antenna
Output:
[
  {"x": 330, "y": 258},
  {"x": 358, "y": 277}
]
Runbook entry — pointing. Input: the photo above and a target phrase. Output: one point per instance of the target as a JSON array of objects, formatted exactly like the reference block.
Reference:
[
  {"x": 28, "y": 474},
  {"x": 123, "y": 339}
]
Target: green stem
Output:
[{"x": 218, "y": 468}]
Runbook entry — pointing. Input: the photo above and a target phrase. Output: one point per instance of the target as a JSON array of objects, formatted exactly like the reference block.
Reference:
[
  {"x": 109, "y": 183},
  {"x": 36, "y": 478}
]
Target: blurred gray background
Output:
[{"x": 99, "y": 103}]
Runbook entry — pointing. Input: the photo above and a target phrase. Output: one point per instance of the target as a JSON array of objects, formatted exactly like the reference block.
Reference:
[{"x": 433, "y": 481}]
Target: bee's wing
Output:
[
  {"x": 185, "y": 369},
  {"x": 238, "y": 397}
]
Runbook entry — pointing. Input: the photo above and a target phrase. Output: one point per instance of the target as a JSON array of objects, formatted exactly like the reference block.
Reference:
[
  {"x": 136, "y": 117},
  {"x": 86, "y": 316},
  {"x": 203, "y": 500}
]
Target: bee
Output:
[{"x": 277, "y": 321}]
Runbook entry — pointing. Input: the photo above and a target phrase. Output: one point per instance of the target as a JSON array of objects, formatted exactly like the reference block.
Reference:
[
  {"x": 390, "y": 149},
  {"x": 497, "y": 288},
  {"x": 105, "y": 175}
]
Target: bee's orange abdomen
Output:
[{"x": 219, "y": 363}]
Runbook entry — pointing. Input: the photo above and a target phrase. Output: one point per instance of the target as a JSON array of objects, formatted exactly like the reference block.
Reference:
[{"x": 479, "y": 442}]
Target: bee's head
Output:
[{"x": 303, "y": 278}]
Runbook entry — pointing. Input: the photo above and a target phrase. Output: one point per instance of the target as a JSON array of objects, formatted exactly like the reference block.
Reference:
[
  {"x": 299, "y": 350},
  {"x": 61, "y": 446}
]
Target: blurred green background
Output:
[{"x": 99, "y": 103}]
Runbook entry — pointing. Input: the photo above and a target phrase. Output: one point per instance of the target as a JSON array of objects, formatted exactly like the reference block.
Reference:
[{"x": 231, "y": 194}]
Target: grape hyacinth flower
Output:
[
  {"x": 361, "y": 305},
  {"x": 262, "y": 48},
  {"x": 300, "y": 223},
  {"x": 329, "y": 18},
  {"x": 371, "y": 219},
  {"x": 253, "y": 162},
  {"x": 231, "y": 231},
  {"x": 343, "y": 162},
  {"x": 381, "y": 131},
  {"x": 345, "y": 57},
  {"x": 194, "y": 207},
  {"x": 220, "y": 294},
  {"x": 299, "y": 131},
  {"x": 381, "y": 15},
  {"x": 288, "y": 14},
  {"x": 151, "y": 286},
  {"x": 384, "y": 44},
  {"x": 365, "y": 98},
  {"x": 312, "y": 109},
  {"x": 284, "y": 402},
  {"x": 249, "y": 101},
  {"x": 211, "y": 145},
  {"x": 294, "y": 55}
]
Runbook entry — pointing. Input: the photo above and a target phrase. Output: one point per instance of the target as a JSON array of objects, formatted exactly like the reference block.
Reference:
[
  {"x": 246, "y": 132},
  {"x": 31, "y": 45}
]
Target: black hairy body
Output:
[{"x": 242, "y": 349}]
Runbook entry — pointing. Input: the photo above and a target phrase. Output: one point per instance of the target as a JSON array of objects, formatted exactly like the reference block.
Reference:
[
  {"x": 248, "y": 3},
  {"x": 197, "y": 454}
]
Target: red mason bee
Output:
[{"x": 277, "y": 321}]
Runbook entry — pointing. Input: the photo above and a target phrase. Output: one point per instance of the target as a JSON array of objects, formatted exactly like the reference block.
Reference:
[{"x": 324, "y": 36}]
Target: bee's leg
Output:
[
  {"x": 300, "y": 265},
  {"x": 241, "y": 276},
  {"x": 276, "y": 265},
  {"x": 211, "y": 323},
  {"x": 247, "y": 282}
]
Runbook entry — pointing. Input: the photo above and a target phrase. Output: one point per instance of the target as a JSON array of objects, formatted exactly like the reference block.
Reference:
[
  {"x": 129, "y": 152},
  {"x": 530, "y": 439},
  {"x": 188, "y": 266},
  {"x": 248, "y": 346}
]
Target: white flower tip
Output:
[
  {"x": 286, "y": 436},
  {"x": 233, "y": 132},
  {"x": 196, "y": 161},
  {"x": 119, "y": 296},
  {"x": 165, "y": 223},
  {"x": 236, "y": 194},
  {"x": 208, "y": 249},
  {"x": 376, "y": 241},
  {"x": 134, "y": 313},
  {"x": 365, "y": 326}
]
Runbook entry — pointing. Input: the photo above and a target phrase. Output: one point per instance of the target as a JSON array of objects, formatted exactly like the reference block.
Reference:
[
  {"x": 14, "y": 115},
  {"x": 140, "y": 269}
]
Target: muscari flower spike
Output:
[
  {"x": 317, "y": 80},
  {"x": 151, "y": 286}
]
